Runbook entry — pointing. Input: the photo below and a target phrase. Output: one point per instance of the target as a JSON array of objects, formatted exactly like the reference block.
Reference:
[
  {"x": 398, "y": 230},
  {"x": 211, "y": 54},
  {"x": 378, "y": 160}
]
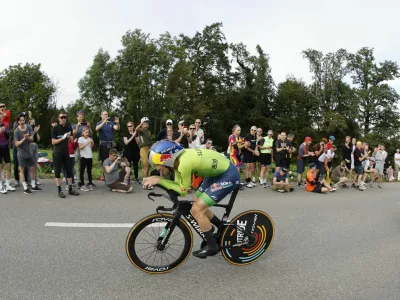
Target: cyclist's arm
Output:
[{"x": 182, "y": 181}]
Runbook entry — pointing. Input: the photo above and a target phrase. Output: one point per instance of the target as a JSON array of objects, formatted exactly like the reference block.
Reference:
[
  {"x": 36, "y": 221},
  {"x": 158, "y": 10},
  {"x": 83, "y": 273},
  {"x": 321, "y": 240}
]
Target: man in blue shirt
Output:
[
  {"x": 280, "y": 181},
  {"x": 106, "y": 128}
]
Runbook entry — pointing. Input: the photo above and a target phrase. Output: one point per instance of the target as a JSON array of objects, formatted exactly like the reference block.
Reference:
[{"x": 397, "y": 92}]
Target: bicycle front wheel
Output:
[
  {"x": 147, "y": 247},
  {"x": 239, "y": 249}
]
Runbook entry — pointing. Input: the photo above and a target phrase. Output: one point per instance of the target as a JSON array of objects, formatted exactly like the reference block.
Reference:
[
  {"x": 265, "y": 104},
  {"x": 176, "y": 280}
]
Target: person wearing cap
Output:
[
  {"x": 359, "y": 157},
  {"x": 184, "y": 138},
  {"x": 249, "y": 154},
  {"x": 316, "y": 186},
  {"x": 330, "y": 142},
  {"x": 302, "y": 155},
  {"x": 77, "y": 132},
  {"x": 397, "y": 164},
  {"x": 106, "y": 128},
  {"x": 162, "y": 135},
  {"x": 266, "y": 144},
  {"x": 369, "y": 170},
  {"x": 143, "y": 139},
  {"x": 280, "y": 181},
  {"x": 338, "y": 176}
]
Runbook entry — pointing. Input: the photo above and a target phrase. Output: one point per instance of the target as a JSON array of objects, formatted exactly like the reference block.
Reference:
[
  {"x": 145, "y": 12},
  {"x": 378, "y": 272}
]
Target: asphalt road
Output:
[{"x": 343, "y": 245}]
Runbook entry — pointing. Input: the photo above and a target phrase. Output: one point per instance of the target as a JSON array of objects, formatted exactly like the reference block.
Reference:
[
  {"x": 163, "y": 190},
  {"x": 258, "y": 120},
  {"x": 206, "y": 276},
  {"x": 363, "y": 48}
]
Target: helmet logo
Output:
[{"x": 165, "y": 157}]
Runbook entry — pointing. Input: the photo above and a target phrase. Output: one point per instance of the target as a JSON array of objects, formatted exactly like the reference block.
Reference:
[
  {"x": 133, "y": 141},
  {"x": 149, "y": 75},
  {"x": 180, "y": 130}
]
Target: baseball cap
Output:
[
  {"x": 308, "y": 139},
  {"x": 284, "y": 170},
  {"x": 168, "y": 121},
  {"x": 332, "y": 138},
  {"x": 182, "y": 122},
  {"x": 144, "y": 119}
]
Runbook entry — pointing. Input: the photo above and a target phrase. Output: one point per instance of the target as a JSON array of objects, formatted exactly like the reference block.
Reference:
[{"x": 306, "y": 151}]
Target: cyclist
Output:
[{"x": 222, "y": 177}]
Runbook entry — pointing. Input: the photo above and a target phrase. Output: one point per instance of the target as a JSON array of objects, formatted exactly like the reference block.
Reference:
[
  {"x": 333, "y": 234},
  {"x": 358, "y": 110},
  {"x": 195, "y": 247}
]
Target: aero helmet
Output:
[{"x": 164, "y": 153}]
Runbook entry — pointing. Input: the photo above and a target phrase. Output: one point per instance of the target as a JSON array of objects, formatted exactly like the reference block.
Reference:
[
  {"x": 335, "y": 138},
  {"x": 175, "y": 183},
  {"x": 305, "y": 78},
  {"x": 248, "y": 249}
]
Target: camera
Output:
[
  {"x": 83, "y": 124},
  {"x": 110, "y": 119}
]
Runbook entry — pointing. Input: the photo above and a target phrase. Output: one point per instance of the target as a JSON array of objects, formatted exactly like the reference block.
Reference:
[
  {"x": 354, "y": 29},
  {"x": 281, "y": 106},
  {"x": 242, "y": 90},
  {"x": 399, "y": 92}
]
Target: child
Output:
[
  {"x": 390, "y": 173},
  {"x": 85, "y": 146}
]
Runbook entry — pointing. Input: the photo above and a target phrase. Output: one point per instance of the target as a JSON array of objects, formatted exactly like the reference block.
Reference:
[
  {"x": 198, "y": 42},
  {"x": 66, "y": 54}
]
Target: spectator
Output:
[
  {"x": 328, "y": 163},
  {"x": 85, "y": 146},
  {"x": 72, "y": 145},
  {"x": 116, "y": 181},
  {"x": 208, "y": 145},
  {"x": 143, "y": 139},
  {"x": 163, "y": 132},
  {"x": 282, "y": 148},
  {"x": 106, "y": 128},
  {"x": 249, "y": 154},
  {"x": 60, "y": 135},
  {"x": 330, "y": 142},
  {"x": 338, "y": 176},
  {"x": 291, "y": 150},
  {"x": 390, "y": 173},
  {"x": 353, "y": 147},
  {"x": 184, "y": 137},
  {"x": 5, "y": 153},
  {"x": 346, "y": 152},
  {"x": 34, "y": 145},
  {"x": 23, "y": 137},
  {"x": 319, "y": 149},
  {"x": 236, "y": 144},
  {"x": 369, "y": 170},
  {"x": 380, "y": 156},
  {"x": 280, "y": 181},
  {"x": 303, "y": 153},
  {"x": 316, "y": 186},
  {"x": 77, "y": 132},
  {"x": 266, "y": 145},
  {"x": 198, "y": 131},
  {"x": 397, "y": 165},
  {"x": 15, "y": 156},
  {"x": 359, "y": 157},
  {"x": 196, "y": 143},
  {"x": 132, "y": 152}
]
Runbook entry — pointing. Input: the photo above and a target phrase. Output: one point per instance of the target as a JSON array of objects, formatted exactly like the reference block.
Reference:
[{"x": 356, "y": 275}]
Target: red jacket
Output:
[{"x": 71, "y": 147}]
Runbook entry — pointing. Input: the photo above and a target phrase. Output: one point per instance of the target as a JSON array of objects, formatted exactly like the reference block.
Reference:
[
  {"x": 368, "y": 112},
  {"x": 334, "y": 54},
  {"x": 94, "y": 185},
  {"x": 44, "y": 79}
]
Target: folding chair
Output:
[{"x": 45, "y": 165}]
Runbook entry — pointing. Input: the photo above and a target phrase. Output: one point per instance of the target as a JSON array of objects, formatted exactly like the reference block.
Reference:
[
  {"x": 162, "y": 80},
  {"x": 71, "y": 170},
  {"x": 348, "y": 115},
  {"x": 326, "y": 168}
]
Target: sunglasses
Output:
[
  {"x": 192, "y": 128},
  {"x": 196, "y": 122},
  {"x": 169, "y": 123},
  {"x": 209, "y": 143},
  {"x": 2, "y": 106},
  {"x": 130, "y": 126},
  {"x": 182, "y": 124},
  {"x": 63, "y": 117}
]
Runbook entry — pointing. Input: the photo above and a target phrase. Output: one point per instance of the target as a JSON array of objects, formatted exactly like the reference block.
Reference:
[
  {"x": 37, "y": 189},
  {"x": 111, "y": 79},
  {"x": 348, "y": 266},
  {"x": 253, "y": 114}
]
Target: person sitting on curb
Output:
[
  {"x": 280, "y": 181},
  {"x": 338, "y": 175},
  {"x": 315, "y": 186},
  {"x": 115, "y": 180},
  {"x": 369, "y": 169}
]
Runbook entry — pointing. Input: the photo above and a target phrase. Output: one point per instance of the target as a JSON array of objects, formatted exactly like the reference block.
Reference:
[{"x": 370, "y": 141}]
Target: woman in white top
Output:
[
  {"x": 397, "y": 164},
  {"x": 85, "y": 144}
]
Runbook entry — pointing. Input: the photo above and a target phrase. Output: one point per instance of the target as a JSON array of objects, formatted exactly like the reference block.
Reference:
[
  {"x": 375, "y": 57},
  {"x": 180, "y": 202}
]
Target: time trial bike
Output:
[{"x": 162, "y": 242}]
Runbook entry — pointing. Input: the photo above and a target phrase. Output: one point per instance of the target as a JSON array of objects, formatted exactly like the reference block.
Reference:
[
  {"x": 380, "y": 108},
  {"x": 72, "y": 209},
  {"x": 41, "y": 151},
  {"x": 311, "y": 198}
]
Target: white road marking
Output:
[{"x": 89, "y": 225}]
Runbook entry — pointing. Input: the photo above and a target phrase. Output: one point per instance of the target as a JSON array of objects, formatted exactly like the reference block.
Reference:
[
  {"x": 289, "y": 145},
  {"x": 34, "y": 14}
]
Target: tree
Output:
[
  {"x": 28, "y": 88},
  {"x": 376, "y": 99}
]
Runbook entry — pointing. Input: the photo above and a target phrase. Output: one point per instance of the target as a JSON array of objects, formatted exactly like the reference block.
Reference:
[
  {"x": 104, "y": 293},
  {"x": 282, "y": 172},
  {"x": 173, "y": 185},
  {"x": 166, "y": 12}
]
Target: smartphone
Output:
[
  {"x": 110, "y": 119},
  {"x": 83, "y": 123}
]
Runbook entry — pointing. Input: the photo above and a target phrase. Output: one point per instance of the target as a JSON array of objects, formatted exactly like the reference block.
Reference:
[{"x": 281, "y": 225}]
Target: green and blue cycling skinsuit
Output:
[{"x": 221, "y": 176}]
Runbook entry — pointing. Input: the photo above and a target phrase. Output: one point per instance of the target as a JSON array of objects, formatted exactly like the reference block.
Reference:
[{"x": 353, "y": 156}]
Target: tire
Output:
[
  {"x": 255, "y": 221},
  {"x": 158, "y": 222}
]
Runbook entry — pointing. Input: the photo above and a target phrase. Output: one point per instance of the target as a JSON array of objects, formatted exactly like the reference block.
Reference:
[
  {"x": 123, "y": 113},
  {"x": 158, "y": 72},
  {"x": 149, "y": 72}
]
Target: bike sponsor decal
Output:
[
  {"x": 199, "y": 152},
  {"x": 157, "y": 269},
  {"x": 240, "y": 233},
  {"x": 254, "y": 224},
  {"x": 165, "y": 157},
  {"x": 161, "y": 220},
  {"x": 195, "y": 225},
  {"x": 215, "y": 187},
  {"x": 226, "y": 184},
  {"x": 214, "y": 164},
  {"x": 214, "y": 197}
]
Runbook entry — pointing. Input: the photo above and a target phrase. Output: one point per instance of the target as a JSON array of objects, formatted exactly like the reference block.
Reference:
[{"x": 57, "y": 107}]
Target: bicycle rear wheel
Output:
[
  {"x": 240, "y": 249},
  {"x": 145, "y": 239}
]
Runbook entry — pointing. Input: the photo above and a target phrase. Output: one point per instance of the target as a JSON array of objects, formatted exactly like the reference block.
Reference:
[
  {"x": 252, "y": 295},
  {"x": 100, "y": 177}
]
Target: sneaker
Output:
[
  {"x": 10, "y": 188},
  {"x": 266, "y": 185},
  {"x": 354, "y": 186},
  {"x": 333, "y": 189},
  {"x": 91, "y": 188},
  {"x": 249, "y": 185},
  {"x": 253, "y": 180},
  {"x": 362, "y": 188},
  {"x": 363, "y": 183},
  {"x": 28, "y": 191},
  {"x": 344, "y": 185},
  {"x": 3, "y": 190},
  {"x": 84, "y": 188},
  {"x": 73, "y": 192},
  {"x": 281, "y": 191},
  {"x": 36, "y": 189},
  {"x": 291, "y": 189},
  {"x": 61, "y": 194},
  {"x": 137, "y": 181},
  {"x": 254, "y": 184}
]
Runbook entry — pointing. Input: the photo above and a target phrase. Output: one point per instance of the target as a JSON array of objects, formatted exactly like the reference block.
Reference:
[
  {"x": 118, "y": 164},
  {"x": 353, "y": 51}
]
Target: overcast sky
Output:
[{"x": 65, "y": 35}]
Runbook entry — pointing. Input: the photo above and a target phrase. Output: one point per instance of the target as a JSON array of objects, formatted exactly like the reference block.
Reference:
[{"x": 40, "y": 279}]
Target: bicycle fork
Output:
[{"x": 163, "y": 239}]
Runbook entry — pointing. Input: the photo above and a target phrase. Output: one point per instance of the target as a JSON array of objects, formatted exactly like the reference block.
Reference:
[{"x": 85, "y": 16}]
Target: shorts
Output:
[
  {"x": 118, "y": 185},
  {"x": 257, "y": 159},
  {"x": 265, "y": 159},
  {"x": 359, "y": 170},
  {"x": 62, "y": 160},
  {"x": 5, "y": 155},
  {"x": 236, "y": 162},
  {"x": 281, "y": 161},
  {"x": 249, "y": 158},
  {"x": 379, "y": 167},
  {"x": 300, "y": 166},
  {"x": 25, "y": 162},
  {"x": 214, "y": 189},
  {"x": 144, "y": 156},
  {"x": 318, "y": 188}
]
